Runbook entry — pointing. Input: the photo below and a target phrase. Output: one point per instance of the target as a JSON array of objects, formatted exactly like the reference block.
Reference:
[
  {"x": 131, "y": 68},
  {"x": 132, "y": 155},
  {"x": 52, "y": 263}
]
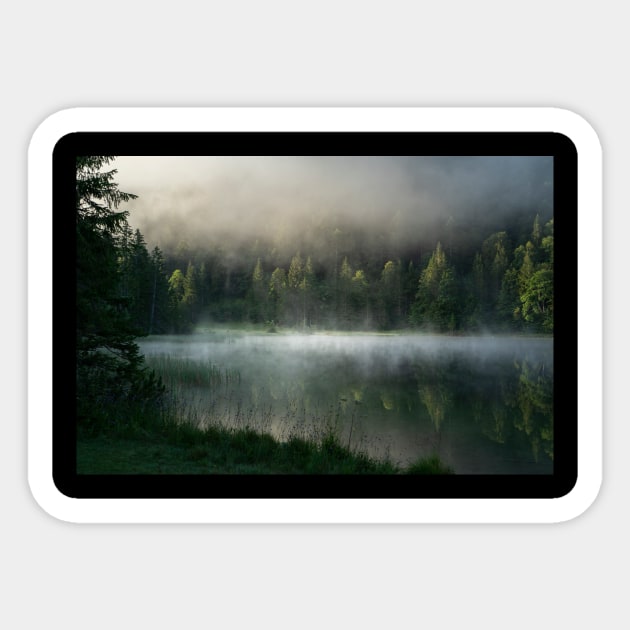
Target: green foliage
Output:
[
  {"x": 258, "y": 276},
  {"x": 525, "y": 297},
  {"x": 296, "y": 272},
  {"x": 161, "y": 313},
  {"x": 277, "y": 289},
  {"x": 357, "y": 283},
  {"x": 436, "y": 304},
  {"x": 297, "y": 288},
  {"x": 429, "y": 466},
  {"x": 508, "y": 305},
  {"x": 390, "y": 296},
  {"x": 258, "y": 296},
  {"x": 489, "y": 268},
  {"x": 112, "y": 382},
  {"x": 169, "y": 447},
  {"x": 536, "y": 232},
  {"x": 191, "y": 293},
  {"x": 177, "y": 291},
  {"x": 97, "y": 196},
  {"x": 177, "y": 284},
  {"x": 537, "y": 299}
]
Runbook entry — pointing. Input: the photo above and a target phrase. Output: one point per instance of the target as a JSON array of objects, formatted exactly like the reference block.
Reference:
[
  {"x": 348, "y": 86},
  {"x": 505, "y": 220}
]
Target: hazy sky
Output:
[{"x": 213, "y": 198}]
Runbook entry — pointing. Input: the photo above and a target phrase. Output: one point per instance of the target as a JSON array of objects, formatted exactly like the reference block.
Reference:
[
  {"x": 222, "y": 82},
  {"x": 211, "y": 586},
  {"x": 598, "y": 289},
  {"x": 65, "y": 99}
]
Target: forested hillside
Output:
[
  {"x": 488, "y": 266},
  {"x": 500, "y": 281}
]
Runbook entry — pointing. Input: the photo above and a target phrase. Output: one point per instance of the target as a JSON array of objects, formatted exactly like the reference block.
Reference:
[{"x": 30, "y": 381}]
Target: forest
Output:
[{"x": 499, "y": 282}]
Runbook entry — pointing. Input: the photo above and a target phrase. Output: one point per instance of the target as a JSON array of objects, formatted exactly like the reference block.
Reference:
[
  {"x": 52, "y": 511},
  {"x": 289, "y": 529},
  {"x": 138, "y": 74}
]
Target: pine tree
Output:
[
  {"x": 277, "y": 290},
  {"x": 110, "y": 371},
  {"x": 536, "y": 232},
  {"x": 495, "y": 254},
  {"x": 177, "y": 290},
  {"x": 161, "y": 316},
  {"x": 141, "y": 283},
  {"x": 344, "y": 286},
  {"x": 294, "y": 281},
  {"x": 360, "y": 297},
  {"x": 191, "y": 293},
  {"x": 390, "y": 294},
  {"x": 436, "y": 302},
  {"x": 306, "y": 288},
  {"x": 258, "y": 299}
]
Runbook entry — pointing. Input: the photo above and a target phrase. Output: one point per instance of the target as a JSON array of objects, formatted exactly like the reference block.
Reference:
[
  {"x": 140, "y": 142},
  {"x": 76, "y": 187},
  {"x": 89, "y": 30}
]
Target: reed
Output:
[{"x": 187, "y": 372}]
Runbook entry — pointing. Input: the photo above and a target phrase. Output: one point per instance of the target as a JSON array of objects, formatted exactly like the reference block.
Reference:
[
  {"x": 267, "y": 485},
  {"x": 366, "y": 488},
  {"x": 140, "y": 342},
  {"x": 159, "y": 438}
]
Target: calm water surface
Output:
[{"x": 483, "y": 404}]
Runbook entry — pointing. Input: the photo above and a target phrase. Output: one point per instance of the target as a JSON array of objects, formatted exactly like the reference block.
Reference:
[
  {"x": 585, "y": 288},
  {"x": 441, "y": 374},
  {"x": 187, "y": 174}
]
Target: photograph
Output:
[{"x": 257, "y": 319}]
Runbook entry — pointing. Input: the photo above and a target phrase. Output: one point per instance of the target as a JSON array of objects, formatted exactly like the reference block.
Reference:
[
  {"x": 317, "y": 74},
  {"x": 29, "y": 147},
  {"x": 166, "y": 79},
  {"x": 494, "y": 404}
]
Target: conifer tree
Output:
[
  {"x": 344, "y": 286},
  {"x": 258, "y": 310},
  {"x": 191, "y": 293},
  {"x": 277, "y": 289},
  {"x": 295, "y": 278},
  {"x": 436, "y": 302},
  {"x": 390, "y": 294},
  {"x": 110, "y": 371},
  {"x": 160, "y": 319}
]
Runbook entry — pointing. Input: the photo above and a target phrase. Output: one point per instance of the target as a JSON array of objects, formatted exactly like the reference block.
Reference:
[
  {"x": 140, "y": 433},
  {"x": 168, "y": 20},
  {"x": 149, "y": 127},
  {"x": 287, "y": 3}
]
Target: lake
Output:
[{"x": 483, "y": 404}]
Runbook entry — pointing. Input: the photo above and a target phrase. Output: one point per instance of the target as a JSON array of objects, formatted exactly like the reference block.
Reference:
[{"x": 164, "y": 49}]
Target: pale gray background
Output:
[{"x": 65, "y": 54}]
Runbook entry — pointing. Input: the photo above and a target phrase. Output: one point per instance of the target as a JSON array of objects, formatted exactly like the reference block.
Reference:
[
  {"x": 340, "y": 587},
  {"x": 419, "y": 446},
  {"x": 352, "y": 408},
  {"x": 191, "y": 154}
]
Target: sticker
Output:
[{"x": 407, "y": 334}]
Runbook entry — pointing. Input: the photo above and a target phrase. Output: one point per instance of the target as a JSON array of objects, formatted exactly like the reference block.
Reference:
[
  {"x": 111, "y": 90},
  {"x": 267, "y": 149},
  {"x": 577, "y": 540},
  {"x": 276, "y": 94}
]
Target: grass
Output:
[
  {"x": 186, "y": 372},
  {"x": 167, "y": 447},
  {"x": 431, "y": 465},
  {"x": 189, "y": 451}
]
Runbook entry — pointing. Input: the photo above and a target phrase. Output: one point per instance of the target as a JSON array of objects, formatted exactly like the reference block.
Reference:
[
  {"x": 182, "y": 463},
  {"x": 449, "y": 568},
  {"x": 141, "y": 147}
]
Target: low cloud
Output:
[{"x": 216, "y": 199}]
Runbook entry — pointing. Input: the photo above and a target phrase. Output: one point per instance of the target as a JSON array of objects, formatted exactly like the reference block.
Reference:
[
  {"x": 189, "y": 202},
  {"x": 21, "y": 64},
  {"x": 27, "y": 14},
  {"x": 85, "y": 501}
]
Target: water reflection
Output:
[{"x": 484, "y": 405}]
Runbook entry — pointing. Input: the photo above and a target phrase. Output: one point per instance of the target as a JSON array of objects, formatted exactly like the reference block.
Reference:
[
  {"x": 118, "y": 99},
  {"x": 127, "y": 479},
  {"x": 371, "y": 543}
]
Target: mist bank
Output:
[
  {"x": 364, "y": 353},
  {"x": 399, "y": 203}
]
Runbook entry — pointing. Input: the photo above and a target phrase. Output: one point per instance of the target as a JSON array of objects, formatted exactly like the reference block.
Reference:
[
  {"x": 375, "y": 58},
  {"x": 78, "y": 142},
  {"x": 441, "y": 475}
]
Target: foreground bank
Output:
[{"x": 182, "y": 449}]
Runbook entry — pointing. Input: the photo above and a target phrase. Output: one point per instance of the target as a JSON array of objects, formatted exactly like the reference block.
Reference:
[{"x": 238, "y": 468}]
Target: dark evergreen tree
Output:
[
  {"x": 110, "y": 371},
  {"x": 436, "y": 304},
  {"x": 191, "y": 294},
  {"x": 344, "y": 286},
  {"x": 141, "y": 283},
  {"x": 258, "y": 295},
  {"x": 390, "y": 295},
  {"x": 307, "y": 289},
  {"x": 295, "y": 293},
  {"x": 161, "y": 314},
  {"x": 277, "y": 291}
]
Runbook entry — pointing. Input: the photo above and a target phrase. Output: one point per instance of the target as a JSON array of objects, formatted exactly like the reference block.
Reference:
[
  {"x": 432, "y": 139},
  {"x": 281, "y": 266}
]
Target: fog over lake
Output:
[{"x": 483, "y": 404}]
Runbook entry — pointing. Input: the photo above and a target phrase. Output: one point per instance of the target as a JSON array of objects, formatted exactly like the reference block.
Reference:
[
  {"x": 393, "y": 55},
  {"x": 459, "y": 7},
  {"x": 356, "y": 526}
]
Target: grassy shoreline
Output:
[{"x": 184, "y": 449}]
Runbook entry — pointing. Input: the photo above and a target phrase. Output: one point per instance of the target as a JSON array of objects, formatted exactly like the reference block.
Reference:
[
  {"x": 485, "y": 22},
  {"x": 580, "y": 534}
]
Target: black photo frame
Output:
[{"x": 342, "y": 487}]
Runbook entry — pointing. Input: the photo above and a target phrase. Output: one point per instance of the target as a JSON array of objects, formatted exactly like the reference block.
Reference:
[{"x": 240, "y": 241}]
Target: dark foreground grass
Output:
[{"x": 183, "y": 449}]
